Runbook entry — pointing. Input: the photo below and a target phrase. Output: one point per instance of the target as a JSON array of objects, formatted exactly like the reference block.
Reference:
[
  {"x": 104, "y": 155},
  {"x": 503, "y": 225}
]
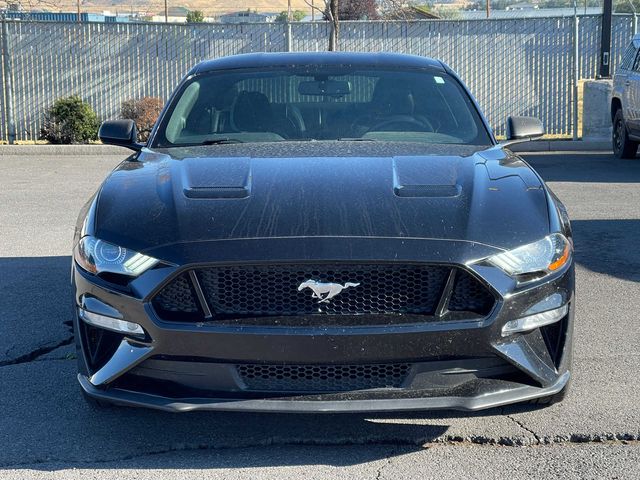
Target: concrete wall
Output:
[{"x": 596, "y": 116}]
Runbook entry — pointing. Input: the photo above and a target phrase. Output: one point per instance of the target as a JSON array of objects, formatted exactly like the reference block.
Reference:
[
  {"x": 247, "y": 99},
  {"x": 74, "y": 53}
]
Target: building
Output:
[
  {"x": 522, "y": 6},
  {"x": 38, "y": 16},
  {"x": 248, "y": 17},
  {"x": 175, "y": 15}
]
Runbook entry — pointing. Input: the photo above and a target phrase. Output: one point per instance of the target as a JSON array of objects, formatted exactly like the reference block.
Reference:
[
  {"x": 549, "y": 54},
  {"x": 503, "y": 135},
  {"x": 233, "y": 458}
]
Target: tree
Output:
[
  {"x": 195, "y": 16},
  {"x": 358, "y": 10},
  {"x": 296, "y": 16},
  {"x": 330, "y": 13},
  {"x": 334, "y": 10}
]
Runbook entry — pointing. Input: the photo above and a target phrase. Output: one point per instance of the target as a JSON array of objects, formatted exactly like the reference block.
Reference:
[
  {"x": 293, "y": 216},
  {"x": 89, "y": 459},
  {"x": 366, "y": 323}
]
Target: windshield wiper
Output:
[{"x": 221, "y": 141}]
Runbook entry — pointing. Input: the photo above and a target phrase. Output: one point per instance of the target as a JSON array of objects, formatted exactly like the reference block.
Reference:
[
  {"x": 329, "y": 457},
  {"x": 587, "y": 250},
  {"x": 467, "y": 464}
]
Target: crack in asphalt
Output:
[
  {"x": 521, "y": 425},
  {"x": 527, "y": 429},
  {"x": 35, "y": 354}
]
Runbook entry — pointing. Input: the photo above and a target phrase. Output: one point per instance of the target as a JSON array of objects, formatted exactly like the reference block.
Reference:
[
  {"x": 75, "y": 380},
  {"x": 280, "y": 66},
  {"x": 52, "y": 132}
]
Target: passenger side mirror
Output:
[
  {"x": 522, "y": 129},
  {"x": 122, "y": 133}
]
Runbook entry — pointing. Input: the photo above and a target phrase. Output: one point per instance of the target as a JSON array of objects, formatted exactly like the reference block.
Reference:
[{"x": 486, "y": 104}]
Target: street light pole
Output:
[{"x": 166, "y": 12}]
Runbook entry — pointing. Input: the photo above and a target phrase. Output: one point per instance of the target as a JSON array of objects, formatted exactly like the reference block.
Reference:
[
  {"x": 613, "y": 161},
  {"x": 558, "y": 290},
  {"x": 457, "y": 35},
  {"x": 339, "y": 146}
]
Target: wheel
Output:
[
  {"x": 623, "y": 147},
  {"x": 551, "y": 399}
]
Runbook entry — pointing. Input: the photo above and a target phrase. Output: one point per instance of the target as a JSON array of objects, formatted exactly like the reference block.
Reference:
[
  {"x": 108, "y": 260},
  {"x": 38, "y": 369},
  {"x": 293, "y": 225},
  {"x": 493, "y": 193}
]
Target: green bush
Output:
[
  {"x": 195, "y": 16},
  {"x": 70, "y": 120}
]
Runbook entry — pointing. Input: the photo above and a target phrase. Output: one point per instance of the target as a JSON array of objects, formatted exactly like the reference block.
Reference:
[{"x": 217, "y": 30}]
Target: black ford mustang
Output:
[{"x": 323, "y": 232}]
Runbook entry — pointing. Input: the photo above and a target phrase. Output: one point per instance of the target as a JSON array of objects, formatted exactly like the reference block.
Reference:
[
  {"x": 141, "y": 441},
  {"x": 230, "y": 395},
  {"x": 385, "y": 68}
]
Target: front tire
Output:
[{"x": 623, "y": 146}]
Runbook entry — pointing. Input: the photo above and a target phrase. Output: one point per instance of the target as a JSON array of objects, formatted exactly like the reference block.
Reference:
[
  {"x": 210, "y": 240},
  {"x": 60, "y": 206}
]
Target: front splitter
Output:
[{"x": 481, "y": 402}]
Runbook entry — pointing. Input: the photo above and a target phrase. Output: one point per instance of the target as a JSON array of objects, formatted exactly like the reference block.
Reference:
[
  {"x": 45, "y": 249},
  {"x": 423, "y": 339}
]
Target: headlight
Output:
[
  {"x": 98, "y": 256},
  {"x": 545, "y": 256}
]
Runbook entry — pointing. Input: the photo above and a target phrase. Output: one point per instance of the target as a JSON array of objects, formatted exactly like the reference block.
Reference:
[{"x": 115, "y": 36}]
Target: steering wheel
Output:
[{"x": 402, "y": 120}]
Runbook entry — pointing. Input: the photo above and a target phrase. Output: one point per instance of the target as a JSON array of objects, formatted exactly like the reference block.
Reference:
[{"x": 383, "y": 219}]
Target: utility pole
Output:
[
  {"x": 605, "y": 41},
  {"x": 166, "y": 12},
  {"x": 288, "y": 10},
  {"x": 78, "y": 9},
  {"x": 488, "y": 8}
]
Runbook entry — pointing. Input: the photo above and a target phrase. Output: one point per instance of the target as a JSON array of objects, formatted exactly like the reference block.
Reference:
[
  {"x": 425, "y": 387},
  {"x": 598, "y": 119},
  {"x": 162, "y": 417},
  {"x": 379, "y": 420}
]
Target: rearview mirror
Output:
[
  {"x": 523, "y": 129},
  {"x": 327, "y": 88},
  {"x": 123, "y": 133}
]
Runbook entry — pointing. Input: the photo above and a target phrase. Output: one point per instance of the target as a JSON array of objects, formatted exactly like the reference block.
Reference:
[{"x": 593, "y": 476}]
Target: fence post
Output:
[
  {"x": 576, "y": 74},
  {"x": 7, "y": 81},
  {"x": 288, "y": 37}
]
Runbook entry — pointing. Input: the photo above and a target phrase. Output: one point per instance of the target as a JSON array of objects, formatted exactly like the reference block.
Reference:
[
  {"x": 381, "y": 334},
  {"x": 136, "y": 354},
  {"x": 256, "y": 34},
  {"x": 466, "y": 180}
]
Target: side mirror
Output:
[
  {"x": 123, "y": 133},
  {"x": 522, "y": 129}
]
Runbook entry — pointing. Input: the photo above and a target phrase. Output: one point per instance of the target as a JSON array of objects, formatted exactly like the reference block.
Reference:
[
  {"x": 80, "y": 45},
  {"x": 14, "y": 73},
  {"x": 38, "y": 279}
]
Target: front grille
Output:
[
  {"x": 469, "y": 295},
  {"x": 256, "y": 291},
  {"x": 273, "y": 290},
  {"x": 177, "y": 296},
  {"x": 322, "y": 378}
]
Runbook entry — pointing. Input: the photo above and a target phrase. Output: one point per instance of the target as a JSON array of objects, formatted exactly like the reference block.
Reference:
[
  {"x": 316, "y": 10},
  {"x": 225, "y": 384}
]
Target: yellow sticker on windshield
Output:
[{"x": 439, "y": 80}]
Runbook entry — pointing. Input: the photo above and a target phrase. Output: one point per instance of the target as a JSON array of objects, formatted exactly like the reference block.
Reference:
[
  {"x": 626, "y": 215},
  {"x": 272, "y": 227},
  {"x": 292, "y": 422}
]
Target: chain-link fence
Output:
[{"x": 512, "y": 66}]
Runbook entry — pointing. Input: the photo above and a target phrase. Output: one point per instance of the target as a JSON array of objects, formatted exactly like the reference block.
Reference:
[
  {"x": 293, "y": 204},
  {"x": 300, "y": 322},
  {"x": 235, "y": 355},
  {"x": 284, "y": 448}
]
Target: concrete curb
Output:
[
  {"x": 563, "y": 146},
  {"x": 82, "y": 150},
  {"x": 63, "y": 150}
]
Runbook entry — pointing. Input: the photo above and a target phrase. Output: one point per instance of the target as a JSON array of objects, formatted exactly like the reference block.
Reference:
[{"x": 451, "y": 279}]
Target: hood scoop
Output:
[
  {"x": 216, "y": 177},
  {"x": 412, "y": 178}
]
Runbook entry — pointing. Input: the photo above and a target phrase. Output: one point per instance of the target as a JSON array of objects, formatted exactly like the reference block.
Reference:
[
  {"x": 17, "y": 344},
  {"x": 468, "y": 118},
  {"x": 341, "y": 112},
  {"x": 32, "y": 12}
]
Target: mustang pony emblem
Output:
[{"x": 329, "y": 290}]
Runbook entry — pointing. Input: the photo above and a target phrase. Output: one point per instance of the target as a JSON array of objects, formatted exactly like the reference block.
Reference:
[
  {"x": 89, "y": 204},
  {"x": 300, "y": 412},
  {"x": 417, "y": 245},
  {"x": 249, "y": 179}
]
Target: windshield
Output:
[{"x": 330, "y": 103}]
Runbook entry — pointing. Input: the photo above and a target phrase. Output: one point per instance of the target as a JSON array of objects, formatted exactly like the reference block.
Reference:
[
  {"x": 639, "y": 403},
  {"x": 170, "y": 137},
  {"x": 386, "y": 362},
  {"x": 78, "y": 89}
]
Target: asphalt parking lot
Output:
[{"x": 47, "y": 431}]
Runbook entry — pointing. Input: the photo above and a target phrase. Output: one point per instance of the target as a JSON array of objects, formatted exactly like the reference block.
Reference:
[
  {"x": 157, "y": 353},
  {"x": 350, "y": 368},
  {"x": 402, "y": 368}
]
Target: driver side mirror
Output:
[
  {"x": 122, "y": 133},
  {"x": 522, "y": 129}
]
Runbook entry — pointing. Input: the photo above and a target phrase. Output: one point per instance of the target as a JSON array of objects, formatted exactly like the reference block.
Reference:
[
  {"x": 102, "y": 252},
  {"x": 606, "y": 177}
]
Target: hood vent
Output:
[
  {"x": 411, "y": 178},
  {"x": 228, "y": 178}
]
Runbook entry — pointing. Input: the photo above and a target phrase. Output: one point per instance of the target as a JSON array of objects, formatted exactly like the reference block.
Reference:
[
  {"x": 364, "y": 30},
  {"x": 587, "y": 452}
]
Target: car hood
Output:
[{"x": 332, "y": 189}]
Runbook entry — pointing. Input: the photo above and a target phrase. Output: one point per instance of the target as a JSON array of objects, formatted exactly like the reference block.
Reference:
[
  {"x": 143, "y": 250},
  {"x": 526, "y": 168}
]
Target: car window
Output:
[
  {"x": 315, "y": 104},
  {"x": 636, "y": 63},
  {"x": 628, "y": 58}
]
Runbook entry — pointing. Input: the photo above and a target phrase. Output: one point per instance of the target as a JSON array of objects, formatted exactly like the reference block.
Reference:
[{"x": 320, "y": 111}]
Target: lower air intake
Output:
[{"x": 322, "y": 378}]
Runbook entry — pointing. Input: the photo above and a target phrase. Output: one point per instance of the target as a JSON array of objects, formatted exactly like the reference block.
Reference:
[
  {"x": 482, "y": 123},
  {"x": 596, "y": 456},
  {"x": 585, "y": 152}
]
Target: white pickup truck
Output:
[{"x": 625, "y": 102}]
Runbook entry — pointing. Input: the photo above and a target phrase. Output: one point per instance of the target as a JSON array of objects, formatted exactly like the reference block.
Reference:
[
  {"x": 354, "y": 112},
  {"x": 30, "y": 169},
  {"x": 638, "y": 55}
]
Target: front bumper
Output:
[{"x": 466, "y": 365}]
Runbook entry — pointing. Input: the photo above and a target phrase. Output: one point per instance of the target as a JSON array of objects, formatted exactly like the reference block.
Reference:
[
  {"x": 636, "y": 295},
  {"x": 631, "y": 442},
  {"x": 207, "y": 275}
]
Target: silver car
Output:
[{"x": 625, "y": 103}]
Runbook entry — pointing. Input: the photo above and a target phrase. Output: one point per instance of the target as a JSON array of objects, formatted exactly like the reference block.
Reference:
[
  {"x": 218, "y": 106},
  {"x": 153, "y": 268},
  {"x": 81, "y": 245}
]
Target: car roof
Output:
[{"x": 257, "y": 60}]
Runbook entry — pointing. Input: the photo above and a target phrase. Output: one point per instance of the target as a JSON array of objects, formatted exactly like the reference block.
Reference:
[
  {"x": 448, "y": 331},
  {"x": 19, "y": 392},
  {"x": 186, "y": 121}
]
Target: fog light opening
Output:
[
  {"x": 110, "y": 323},
  {"x": 531, "y": 322}
]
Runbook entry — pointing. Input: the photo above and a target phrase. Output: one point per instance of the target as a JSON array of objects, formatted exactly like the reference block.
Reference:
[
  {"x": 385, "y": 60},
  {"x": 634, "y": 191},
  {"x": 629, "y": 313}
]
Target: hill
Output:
[{"x": 211, "y": 8}]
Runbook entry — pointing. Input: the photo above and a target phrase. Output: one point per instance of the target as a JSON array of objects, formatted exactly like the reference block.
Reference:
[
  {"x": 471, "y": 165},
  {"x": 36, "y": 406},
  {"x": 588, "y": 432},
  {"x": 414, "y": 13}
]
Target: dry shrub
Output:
[{"x": 144, "y": 112}]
